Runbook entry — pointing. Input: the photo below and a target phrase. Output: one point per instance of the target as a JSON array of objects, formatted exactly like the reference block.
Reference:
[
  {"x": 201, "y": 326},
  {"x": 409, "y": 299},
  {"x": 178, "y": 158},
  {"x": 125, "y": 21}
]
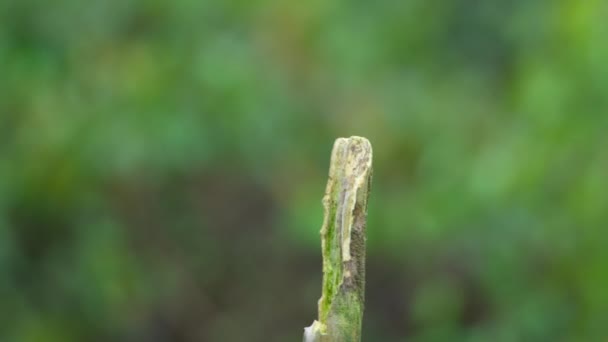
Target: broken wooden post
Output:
[{"x": 343, "y": 243}]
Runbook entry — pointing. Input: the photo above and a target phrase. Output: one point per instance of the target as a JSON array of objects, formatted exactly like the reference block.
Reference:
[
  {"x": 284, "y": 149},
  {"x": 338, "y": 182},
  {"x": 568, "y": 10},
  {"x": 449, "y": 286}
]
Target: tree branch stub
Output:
[{"x": 343, "y": 243}]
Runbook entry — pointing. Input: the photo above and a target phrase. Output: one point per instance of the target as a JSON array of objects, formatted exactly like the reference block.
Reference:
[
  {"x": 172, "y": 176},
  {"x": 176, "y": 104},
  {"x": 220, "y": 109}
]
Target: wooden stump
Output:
[{"x": 343, "y": 243}]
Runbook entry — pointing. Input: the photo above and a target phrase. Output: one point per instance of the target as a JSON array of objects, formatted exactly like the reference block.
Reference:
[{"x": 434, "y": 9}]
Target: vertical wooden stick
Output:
[{"x": 343, "y": 243}]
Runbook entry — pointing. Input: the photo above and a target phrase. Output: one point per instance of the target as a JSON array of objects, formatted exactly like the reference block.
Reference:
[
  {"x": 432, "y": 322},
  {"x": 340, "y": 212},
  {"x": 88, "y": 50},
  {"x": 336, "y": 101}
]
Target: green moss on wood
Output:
[{"x": 343, "y": 243}]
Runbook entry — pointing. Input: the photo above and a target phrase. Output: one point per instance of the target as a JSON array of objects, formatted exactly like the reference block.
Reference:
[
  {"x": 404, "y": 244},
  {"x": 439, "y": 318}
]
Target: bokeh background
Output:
[{"x": 162, "y": 165}]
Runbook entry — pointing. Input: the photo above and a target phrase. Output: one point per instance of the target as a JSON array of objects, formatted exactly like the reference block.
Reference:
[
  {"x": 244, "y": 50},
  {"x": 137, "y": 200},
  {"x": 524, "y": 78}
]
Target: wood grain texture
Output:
[{"x": 343, "y": 243}]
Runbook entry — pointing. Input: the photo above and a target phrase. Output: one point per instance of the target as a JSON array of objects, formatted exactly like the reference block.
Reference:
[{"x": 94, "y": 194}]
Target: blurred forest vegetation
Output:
[{"x": 162, "y": 165}]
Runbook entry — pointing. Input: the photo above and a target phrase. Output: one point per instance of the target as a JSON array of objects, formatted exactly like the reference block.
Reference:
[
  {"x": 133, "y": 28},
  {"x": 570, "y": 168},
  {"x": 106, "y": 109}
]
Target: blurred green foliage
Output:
[{"x": 162, "y": 162}]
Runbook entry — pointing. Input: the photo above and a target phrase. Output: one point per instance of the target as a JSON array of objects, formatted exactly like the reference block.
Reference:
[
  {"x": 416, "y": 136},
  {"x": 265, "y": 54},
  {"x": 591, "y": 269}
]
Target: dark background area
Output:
[{"x": 162, "y": 165}]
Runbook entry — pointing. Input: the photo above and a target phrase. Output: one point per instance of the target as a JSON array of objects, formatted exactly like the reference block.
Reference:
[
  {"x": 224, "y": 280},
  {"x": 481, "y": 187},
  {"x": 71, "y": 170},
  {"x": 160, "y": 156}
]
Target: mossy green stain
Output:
[
  {"x": 332, "y": 260},
  {"x": 343, "y": 243}
]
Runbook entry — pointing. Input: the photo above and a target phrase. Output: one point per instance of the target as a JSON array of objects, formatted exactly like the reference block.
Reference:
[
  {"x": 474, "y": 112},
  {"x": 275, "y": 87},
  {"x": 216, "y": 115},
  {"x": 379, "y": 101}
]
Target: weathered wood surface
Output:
[{"x": 343, "y": 243}]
